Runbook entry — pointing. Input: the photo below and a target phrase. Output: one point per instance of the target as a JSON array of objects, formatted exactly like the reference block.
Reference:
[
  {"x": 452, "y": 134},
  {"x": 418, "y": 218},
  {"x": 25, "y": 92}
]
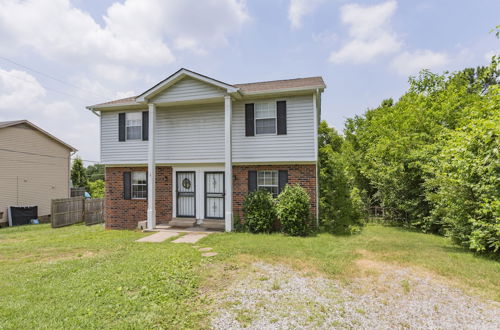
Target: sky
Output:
[{"x": 58, "y": 56}]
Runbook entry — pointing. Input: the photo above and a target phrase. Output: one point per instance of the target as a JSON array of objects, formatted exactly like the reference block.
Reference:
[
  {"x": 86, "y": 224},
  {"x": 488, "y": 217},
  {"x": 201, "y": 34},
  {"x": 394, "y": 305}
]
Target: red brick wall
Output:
[
  {"x": 305, "y": 175},
  {"x": 124, "y": 214}
]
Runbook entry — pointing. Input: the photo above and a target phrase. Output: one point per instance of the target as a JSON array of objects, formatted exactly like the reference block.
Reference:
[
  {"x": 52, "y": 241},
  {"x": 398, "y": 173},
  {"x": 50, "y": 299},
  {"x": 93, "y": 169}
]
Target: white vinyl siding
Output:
[
  {"x": 195, "y": 134},
  {"x": 296, "y": 145},
  {"x": 185, "y": 134},
  {"x": 189, "y": 89},
  {"x": 190, "y": 134},
  {"x": 115, "y": 152}
]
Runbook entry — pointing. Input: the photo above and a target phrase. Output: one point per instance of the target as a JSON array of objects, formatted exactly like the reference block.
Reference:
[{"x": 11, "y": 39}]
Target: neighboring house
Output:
[
  {"x": 191, "y": 147},
  {"x": 34, "y": 167}
]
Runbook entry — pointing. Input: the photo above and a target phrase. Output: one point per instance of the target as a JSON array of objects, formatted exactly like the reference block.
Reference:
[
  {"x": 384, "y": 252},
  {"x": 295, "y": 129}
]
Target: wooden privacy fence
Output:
[
  {"x": 68, "y": 211},
  {"x": 94, "y": 211}
]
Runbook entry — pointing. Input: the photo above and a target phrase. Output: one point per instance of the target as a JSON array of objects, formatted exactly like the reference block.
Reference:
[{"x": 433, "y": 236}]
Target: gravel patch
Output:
[{"x": 277, "y": 297}]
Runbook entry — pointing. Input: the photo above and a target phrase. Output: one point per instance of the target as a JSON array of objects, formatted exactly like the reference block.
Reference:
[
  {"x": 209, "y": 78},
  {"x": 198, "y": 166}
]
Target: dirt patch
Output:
[{"x": 262, "y": 295}]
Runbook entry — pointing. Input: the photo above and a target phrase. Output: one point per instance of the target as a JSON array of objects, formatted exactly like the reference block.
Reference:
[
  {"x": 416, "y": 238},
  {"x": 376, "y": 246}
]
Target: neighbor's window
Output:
[
  {"x": 268, "y": 180},
  {"x": 265, "y": 118},
  {"x": 139, "y": 185},
  {"x": 134, "y": 125}
]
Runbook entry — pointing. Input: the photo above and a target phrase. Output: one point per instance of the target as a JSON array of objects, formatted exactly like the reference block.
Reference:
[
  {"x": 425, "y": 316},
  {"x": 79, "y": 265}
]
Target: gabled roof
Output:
[
  {"x": 4, "y": 124},
  {"x": 172, "y": 79},
  {"x": 277, "y": 85},
  {"x": 264, "y": 87}
]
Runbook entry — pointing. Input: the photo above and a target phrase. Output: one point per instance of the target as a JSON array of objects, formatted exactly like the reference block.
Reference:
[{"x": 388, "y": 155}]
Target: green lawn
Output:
[{"x": 88, "y": 277}]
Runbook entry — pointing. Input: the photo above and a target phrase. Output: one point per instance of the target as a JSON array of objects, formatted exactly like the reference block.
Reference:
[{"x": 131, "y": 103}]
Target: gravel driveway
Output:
[{"x": 277, "y": 297}]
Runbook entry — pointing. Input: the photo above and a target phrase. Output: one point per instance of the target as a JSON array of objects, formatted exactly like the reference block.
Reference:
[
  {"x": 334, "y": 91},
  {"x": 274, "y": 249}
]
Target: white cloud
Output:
[
  {"x": 408, "y": 63},
  {"x": 370, "y": 33},
  {"x": 491, "y": 53},
  {"x": 299, "y": 8},
  {"x": 18, "y": 89},
  {"x": 23, "y": 97},
  {"x": 135, "y": 31}
]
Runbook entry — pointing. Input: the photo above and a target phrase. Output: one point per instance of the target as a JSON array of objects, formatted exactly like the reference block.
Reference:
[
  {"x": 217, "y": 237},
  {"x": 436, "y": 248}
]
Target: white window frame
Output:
[
  {"x": 275, "y": 118},
  {"x": 132, "y": 184},
  {"x": 269, "y": 185},
  {"x": 127, "y": 125}
]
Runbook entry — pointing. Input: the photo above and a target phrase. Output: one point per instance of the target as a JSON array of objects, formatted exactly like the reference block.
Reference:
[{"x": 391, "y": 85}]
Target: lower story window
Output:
[
  {"x": 268, "y": 180},
  {"x": 139, "y": 185}
]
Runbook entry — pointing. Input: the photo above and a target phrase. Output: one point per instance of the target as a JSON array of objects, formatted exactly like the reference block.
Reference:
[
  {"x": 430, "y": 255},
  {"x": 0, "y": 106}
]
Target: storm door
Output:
[
  {"x": 186, "y": 194},
  {"x": 214, "y": 195}
]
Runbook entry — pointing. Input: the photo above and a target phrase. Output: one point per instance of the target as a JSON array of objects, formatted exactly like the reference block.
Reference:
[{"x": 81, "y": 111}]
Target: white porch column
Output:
[
  {"x": 228, "y": 110},
  {"x": 151, "y": 167}
]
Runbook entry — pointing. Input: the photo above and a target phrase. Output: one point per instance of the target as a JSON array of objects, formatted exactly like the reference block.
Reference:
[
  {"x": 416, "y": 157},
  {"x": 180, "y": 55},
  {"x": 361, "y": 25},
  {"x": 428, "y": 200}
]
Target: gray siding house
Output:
[{"x": 188, "y": 150}]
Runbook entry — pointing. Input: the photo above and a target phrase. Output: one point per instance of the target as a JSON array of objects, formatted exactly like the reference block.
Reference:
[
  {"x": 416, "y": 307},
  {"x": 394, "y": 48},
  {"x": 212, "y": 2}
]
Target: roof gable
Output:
[
  {"x": 36, "y": 128},
  {"x": 178, "y": 76}
]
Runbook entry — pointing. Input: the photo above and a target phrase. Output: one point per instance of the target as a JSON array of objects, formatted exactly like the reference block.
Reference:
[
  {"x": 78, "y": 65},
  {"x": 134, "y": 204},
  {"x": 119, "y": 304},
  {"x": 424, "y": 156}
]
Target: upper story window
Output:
[
  {"x": 265, "y": 118},
  {"x": 139, "y": 185},
  {"x": 134, "y": 125},
  {"x": 268, "y": 180}
]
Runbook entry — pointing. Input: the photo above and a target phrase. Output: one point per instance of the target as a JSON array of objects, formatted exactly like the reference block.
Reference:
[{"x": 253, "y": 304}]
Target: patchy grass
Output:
[
  {"x": 377, "y": 246},
  {"x": 86, "y": 277}
]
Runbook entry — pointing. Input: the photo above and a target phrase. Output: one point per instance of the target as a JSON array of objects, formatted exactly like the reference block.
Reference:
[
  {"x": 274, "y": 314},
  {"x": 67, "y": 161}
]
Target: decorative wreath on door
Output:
[{"x": 186, "y": 183}]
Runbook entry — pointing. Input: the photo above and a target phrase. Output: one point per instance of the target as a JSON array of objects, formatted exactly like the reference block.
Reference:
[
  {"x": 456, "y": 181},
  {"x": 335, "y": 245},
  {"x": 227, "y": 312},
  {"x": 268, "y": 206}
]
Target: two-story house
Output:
[{"x": 189, "y": 149}]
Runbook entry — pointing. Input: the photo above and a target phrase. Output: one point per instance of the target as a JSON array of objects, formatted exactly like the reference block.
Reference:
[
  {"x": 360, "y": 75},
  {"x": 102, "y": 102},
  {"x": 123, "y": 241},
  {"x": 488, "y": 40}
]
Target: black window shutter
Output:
[
  {"x": 145, "y": 125},
  {"x": 249, "y": 120},
  {"x": 121, "y": 127},
  {"x": 252, "y": 181},
  {"x": 282, "y": 179},
  {"x": 281, "y": 116},
  {"x": 127, "y": 185},
  {"x": 147, "y": 183}
]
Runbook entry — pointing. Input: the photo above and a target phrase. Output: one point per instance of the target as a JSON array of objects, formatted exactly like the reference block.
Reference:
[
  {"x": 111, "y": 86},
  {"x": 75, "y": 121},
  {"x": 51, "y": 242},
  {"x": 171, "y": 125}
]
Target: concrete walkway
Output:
[
  {"x": 190, "y": 238},
  {"x": 158, "y": 237}
]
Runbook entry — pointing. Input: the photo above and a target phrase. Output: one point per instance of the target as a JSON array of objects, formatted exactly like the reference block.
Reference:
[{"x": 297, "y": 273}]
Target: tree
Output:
[
  {"x": 341, "y": 210},
  {"x": 78, "y": 173},
  {"x": 95, "y": 172}
]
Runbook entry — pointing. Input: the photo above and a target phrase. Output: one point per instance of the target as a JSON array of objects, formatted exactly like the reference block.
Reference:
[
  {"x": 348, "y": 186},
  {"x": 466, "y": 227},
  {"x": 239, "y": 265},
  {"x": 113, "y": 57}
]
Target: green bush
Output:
[
  {"x": 96, "y": 189},
  {"x": 260, "y": 211},
  {"x": 466, "y": 185},
  {"x": 293, "y": 210}
]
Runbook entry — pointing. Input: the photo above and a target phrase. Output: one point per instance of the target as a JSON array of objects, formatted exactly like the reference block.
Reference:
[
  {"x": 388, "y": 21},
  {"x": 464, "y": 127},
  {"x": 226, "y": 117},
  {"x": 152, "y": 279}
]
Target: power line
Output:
[
  {"x": 43, "y": 155},
  {"x": 48, "y": 88},
  {"x": 51, "y": 77}
]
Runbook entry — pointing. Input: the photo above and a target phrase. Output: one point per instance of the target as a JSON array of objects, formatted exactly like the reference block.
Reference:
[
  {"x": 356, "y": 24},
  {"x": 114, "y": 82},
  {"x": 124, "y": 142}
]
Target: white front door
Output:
[
  {"x": 186, "y": 194},
  {"x": 214, "y": 195}
]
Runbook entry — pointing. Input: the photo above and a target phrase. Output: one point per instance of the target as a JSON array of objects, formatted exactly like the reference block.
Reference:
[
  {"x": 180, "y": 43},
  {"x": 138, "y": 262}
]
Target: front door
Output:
[
  {"x": 186, "y": 194},
  {"x": 214, "y": 195}
]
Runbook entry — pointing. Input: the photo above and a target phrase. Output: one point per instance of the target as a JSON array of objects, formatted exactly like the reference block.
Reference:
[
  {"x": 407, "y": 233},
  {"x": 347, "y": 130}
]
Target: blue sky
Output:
[{"x": 101, "y": 50}]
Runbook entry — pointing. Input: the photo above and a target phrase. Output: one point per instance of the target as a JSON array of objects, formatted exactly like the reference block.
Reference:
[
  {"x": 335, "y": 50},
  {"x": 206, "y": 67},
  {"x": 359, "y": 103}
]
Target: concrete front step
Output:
[
  {"x": 182, "y": 222},
  {"x": 213, "y": 224}
]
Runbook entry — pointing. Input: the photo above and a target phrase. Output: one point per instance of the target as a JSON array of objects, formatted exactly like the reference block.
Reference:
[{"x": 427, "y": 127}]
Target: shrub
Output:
[
  {"x": 293, "y": 210},
  {"x": 97, "y": 188},
  {"x": 260, "y": 211}
]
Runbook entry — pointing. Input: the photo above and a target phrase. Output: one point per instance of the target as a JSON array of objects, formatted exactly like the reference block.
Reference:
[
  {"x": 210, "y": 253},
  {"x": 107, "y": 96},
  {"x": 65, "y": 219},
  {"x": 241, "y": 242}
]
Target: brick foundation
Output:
[
  {"x": 305, "y": 175},
  {"x": 125, "y": 214}
]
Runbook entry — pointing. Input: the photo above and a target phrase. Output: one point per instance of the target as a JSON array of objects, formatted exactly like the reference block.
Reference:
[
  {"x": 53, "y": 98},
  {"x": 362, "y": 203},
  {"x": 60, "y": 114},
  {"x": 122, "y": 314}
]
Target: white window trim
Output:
[
  {"x": 127, "y": 126},
  {"x": 268, "y": 185},
  {"x": 137, "y": 184},
  {"x": 275, "y": 119}
]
